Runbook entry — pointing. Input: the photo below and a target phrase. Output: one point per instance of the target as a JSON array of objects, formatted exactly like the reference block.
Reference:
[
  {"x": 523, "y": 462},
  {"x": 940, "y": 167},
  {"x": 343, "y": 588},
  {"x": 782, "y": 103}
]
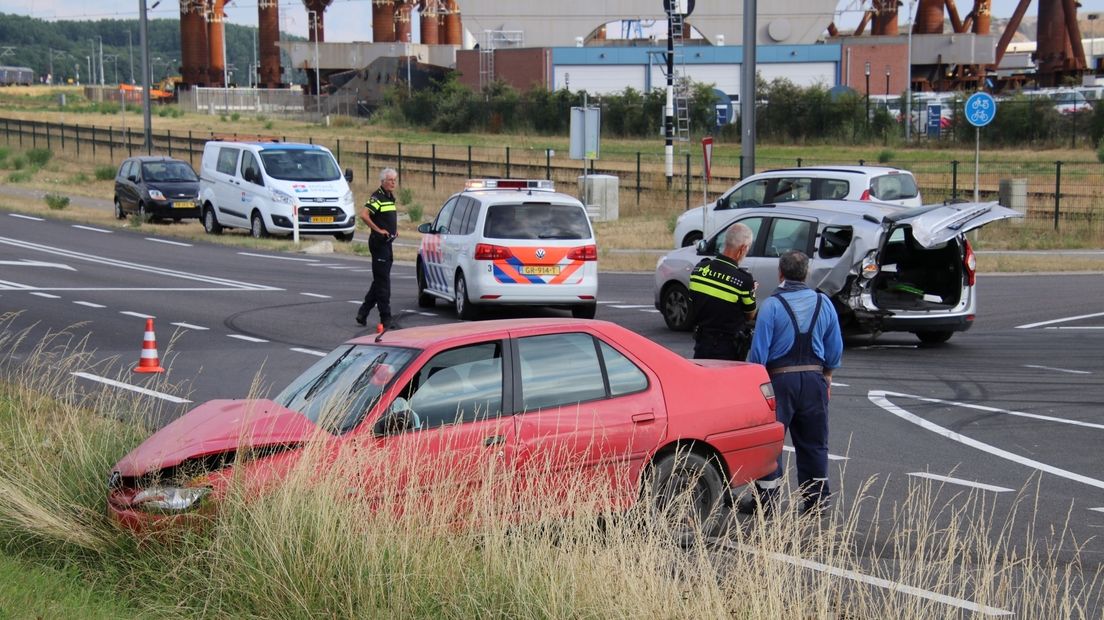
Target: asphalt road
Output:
[{"x": 1015, "y": 403}]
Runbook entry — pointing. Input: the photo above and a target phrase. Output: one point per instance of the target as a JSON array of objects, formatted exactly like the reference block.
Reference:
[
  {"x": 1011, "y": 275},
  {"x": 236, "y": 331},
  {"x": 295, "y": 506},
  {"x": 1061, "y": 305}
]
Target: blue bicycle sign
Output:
[{"x": 981, "y": 108}]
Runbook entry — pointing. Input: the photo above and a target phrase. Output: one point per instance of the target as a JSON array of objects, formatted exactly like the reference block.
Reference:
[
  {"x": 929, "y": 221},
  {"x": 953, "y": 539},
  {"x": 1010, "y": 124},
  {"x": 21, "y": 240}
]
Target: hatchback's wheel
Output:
[
  {"x": 691, "y": 238},
  {"x": 464, "y": 308},
  {"x": 674, "y": 304},
  {"x": 584, "y": 311},
  {"x": 143, "y": 215},
  {"x": 425, "y": 300},
  {"x": 686, "y": 491},
  {"x": 936, "y": 337},
  {"x": 344, "y": 237},
  {"x": 210, "y": 221},
  {"x": 119, "y": 214},
  {"x": 257, "y": 226}
]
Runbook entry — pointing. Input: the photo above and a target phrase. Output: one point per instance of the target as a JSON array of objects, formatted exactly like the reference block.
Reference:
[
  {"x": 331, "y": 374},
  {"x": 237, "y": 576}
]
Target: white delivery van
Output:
[{"x": 261, "y": 186}]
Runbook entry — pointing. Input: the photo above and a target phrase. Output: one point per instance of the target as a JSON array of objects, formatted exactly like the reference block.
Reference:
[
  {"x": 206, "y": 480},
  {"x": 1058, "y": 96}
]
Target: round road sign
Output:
[{"x": 981, "y": 108}]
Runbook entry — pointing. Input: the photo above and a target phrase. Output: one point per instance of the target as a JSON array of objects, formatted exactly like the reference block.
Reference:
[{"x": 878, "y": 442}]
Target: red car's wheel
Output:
[{"x": 687, "y": 495}]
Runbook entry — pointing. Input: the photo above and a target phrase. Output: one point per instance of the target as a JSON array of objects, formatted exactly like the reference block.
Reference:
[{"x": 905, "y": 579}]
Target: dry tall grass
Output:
[{"x": 348, "y": 535}]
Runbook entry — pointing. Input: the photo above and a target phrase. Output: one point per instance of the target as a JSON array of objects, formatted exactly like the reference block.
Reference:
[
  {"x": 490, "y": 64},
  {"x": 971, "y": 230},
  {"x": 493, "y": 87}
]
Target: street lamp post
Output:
[
  {"x": 102, "y": 80},
  {"x": 143, "y": 43},
  {"x": 1092, "y": 17},
  {"x": 887, "y": 88},
  {"x": 867, "y": 69},
  {"x": 317, "y": 74},
  {"x": 908, "y": 80}
]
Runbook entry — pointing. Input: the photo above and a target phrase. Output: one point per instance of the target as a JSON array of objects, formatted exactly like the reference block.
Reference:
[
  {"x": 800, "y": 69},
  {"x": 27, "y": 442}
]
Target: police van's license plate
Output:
[
  {"x": 540, "y": 270},
  {"x": 322, "y": 219}
]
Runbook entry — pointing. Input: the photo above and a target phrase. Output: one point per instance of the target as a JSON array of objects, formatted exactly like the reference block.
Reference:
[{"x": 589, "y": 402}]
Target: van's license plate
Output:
[
  {"x": 183, "y": 205},
  {"x": 540, "y": 270},
  {"x": 322, "y": 219}
]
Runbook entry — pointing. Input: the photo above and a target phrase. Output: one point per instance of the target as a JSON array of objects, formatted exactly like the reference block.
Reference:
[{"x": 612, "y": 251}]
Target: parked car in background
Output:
[
  {"x": 885, "y": 267},
  {"x": 875, "y": 183},
  {"x": 509, "y": 242},
  {"x": 155, "y": 188},
  {"x": 548, "y": 399}
]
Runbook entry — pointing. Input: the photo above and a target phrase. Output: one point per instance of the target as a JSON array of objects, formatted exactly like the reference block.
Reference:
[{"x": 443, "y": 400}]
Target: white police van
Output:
[{"x": 274, "y": 188}]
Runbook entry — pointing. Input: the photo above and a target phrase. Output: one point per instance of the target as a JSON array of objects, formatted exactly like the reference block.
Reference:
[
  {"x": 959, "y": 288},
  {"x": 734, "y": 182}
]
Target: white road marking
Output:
[
  {"x": 960, "y": 481},
  {"x": 36, "y": 263},
  {"x": 27, "y": 217},
  {"x": 1021, "y": 414},
  {"x": 292, "y": 258},
  {"x": 874, "y": 347},
  {"x": 1051, "y": 322},
  {"x": 1097, "y": 509},
  {"x": 99, "y": 230},
  {"x": 137, "y": 314},
  {"x": 190, "y": 326},
  {"x": 5, "y": 284},
  {"x": 651, "y": 310},
  {"x": 632, "y": 306},
  {"x": 318, "y": 295},
  {"x": 892, "y": 586},
  {"x": 324, "y": 265},
  {"x": 831, "y": 457},
  {"x": 1075, "y": 327},
  {"x": 353, "y": 301},
  {"x": 132, "y": 388},
  {"x": 362, "y": 271},
  {"x": 1072, "y": 372},
  {"x": 89, "y": 304},
  {"x": 422, "y": 313},
  {"x": 340, "y": 267},
  {"x": 309, "y": 351},
  {"x": 836, "y": 384},
  {"x": 187, "y": 245},
  {"x": 878, "y": 397},
  {"x": 246, "y": 338},
  {"x": 46, "y": 295},
  {"x": 609, "y": 302}
]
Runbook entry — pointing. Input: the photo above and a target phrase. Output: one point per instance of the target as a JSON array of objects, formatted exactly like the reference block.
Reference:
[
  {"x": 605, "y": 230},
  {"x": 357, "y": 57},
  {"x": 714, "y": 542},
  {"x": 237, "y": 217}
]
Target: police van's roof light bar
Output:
[{"x": 509, "y": 184}]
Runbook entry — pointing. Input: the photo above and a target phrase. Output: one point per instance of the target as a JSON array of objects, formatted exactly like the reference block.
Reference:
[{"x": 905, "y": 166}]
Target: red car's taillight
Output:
[
  {"x": 969, "y": 261},
  {"x": 586, "y": 252},
  {"x": 768, "y": 393},
  {"x": 486, "y": 251},
  {"x": 865, "y": 195}
]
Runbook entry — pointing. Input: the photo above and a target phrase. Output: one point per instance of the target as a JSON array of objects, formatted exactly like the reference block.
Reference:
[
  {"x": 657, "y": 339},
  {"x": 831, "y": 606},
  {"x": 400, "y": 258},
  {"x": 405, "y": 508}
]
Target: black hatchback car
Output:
[{"x": 156, "y": 188}]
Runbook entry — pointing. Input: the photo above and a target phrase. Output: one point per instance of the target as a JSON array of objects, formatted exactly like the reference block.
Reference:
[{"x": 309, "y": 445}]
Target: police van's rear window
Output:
[{"x": 536, "y": 221}]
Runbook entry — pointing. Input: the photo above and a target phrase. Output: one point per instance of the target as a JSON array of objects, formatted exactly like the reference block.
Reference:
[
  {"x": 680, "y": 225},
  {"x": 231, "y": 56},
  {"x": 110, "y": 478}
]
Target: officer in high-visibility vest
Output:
[
  {"x": 722, "y": 296},
  {"x": 381, "y": 217}
]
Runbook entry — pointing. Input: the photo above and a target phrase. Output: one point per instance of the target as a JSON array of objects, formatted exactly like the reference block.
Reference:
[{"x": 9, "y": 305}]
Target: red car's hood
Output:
[{"x": 215, "y": 427}]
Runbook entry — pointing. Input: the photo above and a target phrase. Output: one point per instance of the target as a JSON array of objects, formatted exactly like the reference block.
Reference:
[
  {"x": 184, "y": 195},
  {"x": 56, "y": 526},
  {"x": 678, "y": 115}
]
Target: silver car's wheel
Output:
[{"x": 674, "y": 303}]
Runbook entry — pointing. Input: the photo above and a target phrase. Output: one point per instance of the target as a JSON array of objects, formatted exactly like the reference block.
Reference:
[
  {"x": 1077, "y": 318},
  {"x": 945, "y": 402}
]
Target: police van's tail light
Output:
[
  {"x": 768, "y": 394},
  {"x": 969, "y": 261},
  {"x": 585, "y": 252},
  {"x": 487, "y": 251}
]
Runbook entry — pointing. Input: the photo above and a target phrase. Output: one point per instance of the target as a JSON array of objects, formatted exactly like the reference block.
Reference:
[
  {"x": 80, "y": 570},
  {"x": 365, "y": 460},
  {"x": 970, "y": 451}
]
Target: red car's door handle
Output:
[
  {"x": 494, "y": 440},
  {"x": 641, "y": 418}
]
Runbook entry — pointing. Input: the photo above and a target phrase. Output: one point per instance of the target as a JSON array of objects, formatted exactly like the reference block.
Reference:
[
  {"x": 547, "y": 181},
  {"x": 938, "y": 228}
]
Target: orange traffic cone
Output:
[{"x": 149, "y": 361}]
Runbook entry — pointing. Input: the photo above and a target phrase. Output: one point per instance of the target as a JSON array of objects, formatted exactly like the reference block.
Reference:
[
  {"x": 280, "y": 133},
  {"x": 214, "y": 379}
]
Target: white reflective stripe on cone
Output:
[{"x": 149, "y": 354}]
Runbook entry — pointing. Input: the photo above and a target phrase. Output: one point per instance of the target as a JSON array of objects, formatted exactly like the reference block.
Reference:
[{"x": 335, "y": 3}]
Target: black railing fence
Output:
[{"x": 1066, "y": 193}]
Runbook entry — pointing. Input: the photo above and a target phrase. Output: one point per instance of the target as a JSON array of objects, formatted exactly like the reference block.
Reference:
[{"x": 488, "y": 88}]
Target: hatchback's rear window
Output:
[
  {"x": 536, "y": 221},
  {"x": 894, "y": 187}
]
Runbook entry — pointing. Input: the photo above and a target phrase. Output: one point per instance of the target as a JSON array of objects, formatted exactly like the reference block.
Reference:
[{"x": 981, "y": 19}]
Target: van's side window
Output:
[
  {"x": 250, "y": 170},
  {"x": 227, "y": 160}
]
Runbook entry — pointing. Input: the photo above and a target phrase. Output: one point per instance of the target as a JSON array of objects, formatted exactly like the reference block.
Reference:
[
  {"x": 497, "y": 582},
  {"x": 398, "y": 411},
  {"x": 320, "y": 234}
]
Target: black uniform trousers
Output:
[{"x": 379, "y": 294}]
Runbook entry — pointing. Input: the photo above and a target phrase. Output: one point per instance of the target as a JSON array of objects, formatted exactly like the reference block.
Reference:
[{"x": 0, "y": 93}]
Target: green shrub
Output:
[
  {"x": 134, "y": 220},
  {"x": 163, "y": 112},
  {"x": 19, "y": 162},
  {"x": 177, "y": 112},
  {"x": 4, "y": 152},
  {"x": 260, "y": 118},
  {"x": 19, "y": 176},
  {"x": 405, "y": 196},
  {"x": 268, "y": 125},
  {"x": 886, "y": 156},
  {"x": 79, "y": 178},
  {"x": 222, "y": 118},
  {"x": 57, "y": 202},
  {"x": 416, "y": 212},
  {"x": 105, "y": 173},
  {"x": 235, "y": 117},
  {"x": 1100, "y": 153},
  {"x": 39, "y": 157}
]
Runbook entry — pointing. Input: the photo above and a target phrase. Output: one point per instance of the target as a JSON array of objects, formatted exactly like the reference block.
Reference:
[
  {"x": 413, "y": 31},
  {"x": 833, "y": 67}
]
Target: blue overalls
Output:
[{"x": 801, "y": 400}]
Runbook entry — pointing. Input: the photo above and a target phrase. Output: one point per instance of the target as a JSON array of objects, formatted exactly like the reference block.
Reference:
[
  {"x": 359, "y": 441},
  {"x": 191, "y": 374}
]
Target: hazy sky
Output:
[{"x": 350, "y": 20}]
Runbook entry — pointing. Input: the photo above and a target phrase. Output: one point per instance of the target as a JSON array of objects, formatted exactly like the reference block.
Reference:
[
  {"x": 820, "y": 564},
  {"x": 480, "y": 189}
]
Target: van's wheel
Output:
[
  {"x": 425, "y": 300},
  {"x": 691, "y": 238},
  {"x": 936, "y": 337},
  {"x": 344, "y": 237},
  {"x": 210, "y": 221},
  {"x": 257, "y": 228},
  {"x": 674, "y": 304},
  {"x": 119, "y": 214},
  {"x": 584, "y": 311},
  {"x": 464, "y": 308},
  {"x": 687, "y": 492}
]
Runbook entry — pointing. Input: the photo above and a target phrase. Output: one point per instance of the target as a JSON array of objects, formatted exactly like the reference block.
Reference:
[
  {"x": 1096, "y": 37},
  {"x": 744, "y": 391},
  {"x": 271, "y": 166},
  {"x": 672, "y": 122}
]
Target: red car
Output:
[{"x": 533, "y": 395}]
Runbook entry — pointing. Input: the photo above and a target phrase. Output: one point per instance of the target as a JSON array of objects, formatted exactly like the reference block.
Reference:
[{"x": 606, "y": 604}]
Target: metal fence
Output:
[{"x": 1058, "y": 193}]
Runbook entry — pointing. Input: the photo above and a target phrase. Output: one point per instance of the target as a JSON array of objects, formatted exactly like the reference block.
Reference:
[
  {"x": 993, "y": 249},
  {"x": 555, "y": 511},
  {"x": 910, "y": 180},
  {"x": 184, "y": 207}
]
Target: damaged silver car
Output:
[{"x": 886, "y": 268}]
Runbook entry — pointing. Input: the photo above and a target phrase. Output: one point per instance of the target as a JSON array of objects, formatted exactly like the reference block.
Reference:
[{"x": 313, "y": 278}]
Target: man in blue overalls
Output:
[{"x": 797, "y": 337}]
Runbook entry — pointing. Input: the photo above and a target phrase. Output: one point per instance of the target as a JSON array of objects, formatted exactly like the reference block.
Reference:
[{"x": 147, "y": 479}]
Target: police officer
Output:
[
  {"x": 797, "y": 337},
  {"x": 722, "y": 295},
  {"x": 381, "y": 217}
]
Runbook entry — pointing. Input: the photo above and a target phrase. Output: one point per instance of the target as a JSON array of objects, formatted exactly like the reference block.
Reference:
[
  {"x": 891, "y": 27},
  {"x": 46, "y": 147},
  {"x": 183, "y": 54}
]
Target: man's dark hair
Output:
[{"x": 793, "y": 265}]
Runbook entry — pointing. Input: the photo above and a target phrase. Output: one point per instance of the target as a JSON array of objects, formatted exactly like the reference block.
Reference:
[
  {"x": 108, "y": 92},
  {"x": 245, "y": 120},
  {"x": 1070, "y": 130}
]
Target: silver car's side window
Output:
[{"x": 787, "y": 234}]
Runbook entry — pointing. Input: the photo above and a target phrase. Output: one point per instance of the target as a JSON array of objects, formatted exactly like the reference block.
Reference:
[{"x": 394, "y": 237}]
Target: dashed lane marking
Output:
[
  {"x": 132, "y": 388},
  {"x": 166, "y": 241},
  {"x": 27, "y": 217},
  {"x": 1097, "y": 509},
  {"x": 632, "y": 306},
  {"x": 831, "y": 457},
  {"x": 246, "y": 338},
  {"x": 190, "y": 326},
  {"x": 1072, "y": 372},
  {"x": 46, "y": 295},
  {"x": 291, "y": 258},
  {"x": 137, "y": 314},
  {"x": 309, "y": 351},
  {"x": 99, "y": 230},
  {"x": 879, "y": 398},
  {"x": 89, "y": 304},
  {"x": 961, "y": 482},
  {"x": 1064, "y": 320},
  {"x": 318, "y": 295}
]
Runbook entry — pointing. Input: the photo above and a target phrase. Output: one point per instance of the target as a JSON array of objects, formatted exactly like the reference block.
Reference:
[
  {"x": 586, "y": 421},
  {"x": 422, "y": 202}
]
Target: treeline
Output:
[
  {"x": 33, "y": 41},
  {"x": 785, "y": 113}
]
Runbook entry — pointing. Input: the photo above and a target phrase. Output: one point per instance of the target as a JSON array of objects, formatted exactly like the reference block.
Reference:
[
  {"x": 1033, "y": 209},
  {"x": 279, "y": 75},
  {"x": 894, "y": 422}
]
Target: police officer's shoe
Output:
[
  {"x": 361, "y": 320},
  {"x": 753, "y": 504}
]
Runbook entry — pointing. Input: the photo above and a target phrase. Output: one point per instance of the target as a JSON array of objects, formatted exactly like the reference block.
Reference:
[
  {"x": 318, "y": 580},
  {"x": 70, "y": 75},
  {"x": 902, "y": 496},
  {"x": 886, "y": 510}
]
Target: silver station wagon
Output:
[{"x": 885, "y": 267}]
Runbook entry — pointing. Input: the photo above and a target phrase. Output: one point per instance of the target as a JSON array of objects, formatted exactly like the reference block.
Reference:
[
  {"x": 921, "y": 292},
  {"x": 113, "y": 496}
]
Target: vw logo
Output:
[{"x": 540, "y": 252}]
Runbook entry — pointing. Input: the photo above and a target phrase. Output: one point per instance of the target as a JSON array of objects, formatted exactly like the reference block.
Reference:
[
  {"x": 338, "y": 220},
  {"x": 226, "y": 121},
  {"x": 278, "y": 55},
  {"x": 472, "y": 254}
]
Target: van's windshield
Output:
[{"x": 300, "y": 165}]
